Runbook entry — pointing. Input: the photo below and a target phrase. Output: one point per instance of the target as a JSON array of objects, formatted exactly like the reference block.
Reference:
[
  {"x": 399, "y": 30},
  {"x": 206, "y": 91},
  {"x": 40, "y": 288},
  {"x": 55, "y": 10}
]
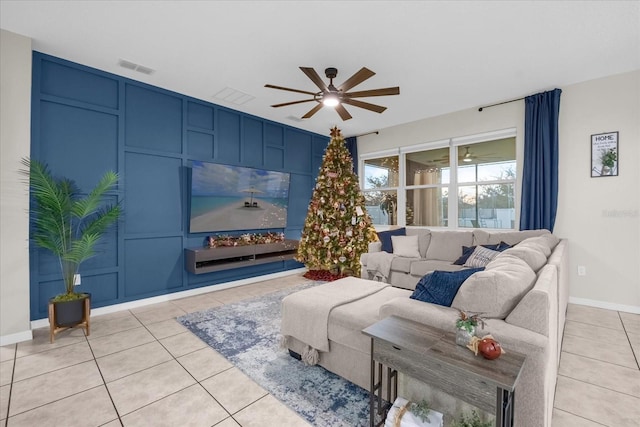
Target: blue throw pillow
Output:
[
  {"x": 502, "y": 246},
  {"x": 385, "y": 238},
  {"x": 468, "y": 250},
  {"x": 441, "y": 287}
]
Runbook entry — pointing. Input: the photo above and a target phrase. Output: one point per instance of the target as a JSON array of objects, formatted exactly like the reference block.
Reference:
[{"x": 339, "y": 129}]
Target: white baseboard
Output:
[
  {"x": 17, "y": 337},
  {"x": 607, "y": 305},
  {"x": 41, "y": 323}
]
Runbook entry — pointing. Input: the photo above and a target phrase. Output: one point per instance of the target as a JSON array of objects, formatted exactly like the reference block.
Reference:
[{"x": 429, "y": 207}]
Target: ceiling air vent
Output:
[
  {"x": 234, "y": 96},
  {"x": 136, "y": 67}
]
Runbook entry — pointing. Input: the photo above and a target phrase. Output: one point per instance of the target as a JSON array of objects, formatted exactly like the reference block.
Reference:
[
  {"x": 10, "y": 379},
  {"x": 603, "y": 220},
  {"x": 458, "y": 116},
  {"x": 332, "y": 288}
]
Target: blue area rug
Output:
[{"x": 246, "y": 334}]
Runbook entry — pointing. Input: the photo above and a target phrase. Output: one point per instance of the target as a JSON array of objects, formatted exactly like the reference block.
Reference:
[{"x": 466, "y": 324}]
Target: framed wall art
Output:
[{"x": 604, "y": 154}]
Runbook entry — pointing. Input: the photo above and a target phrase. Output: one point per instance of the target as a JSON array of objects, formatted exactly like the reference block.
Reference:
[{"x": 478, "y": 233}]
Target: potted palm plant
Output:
[{"x": 69, "y": 225}]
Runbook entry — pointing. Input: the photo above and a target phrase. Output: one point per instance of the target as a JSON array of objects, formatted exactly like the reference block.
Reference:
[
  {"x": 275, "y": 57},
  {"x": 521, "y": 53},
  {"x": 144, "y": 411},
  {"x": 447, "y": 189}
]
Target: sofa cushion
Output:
[
  {"x": 496, "y": 290},
  {"x": 445, "y": 245},
  {"x": 347, "y": 321},
  {"x": 532, "y": 255},
  {"x": 402, "y": 264},
  {"x": 544, "y": 243},
  {"x": 482, "y": 237},
  {"x": 420, "y": 268},
  {"x": 480, "y": 257},
  {"x": 440, "y": 287},
  {"x": 405, "y": 246},
  {"x": 385, "y": 238},
  {"x": 424, "y": 237}
]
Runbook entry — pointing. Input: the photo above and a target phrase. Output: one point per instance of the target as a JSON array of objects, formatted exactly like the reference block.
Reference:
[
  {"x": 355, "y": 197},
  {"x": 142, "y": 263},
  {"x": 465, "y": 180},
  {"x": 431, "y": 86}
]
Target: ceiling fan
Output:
[
  {"x": 332, "y": 96},
  {"x": 468, "y": 157}
]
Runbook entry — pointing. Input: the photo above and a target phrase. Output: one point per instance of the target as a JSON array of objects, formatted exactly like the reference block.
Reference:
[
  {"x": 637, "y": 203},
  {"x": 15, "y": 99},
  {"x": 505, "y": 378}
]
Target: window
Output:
[
  {"x": 381, "y": 189},
  {"x": 486, "y": 184},
  {"x": 427, "y": 187},
  {"x": 471, "y": 180}
]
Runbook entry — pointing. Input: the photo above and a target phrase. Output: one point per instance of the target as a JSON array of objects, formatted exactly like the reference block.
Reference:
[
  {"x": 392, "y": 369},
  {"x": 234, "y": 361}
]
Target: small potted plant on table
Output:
[
  {"x": 69, "y": 225},
  {"x": 466, "y": 326}
]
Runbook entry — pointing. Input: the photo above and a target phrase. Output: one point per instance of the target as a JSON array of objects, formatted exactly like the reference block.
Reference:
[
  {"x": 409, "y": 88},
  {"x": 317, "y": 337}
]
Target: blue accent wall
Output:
[{"x": 86, "y": 121}]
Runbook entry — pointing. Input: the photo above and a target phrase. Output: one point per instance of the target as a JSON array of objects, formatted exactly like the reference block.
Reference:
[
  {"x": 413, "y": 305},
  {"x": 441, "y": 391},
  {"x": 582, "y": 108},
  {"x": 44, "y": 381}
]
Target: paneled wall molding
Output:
[{"x": 86, "y": 121}]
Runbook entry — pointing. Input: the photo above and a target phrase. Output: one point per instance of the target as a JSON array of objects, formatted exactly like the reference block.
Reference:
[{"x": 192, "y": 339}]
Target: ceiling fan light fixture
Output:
[
  {"x": 467, "y": 159},
  {"x": 330, "y": 100}
]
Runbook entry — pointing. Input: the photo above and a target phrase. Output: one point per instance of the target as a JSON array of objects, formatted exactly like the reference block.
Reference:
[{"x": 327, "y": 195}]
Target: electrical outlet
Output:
[
  {"x": 76, "y": 280},
  {"x": 582, "y": 270}
]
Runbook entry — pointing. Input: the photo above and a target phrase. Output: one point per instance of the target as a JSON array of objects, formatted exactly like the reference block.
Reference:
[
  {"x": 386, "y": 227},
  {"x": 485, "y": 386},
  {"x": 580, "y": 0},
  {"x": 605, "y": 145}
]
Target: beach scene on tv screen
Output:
[{"x": 226, "y": 198}]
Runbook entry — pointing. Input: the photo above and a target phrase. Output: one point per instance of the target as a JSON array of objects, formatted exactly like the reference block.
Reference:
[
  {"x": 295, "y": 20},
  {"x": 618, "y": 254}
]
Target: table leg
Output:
[
  {"x": 372, "y": 391},
  {"x": 505, "y": 402}
]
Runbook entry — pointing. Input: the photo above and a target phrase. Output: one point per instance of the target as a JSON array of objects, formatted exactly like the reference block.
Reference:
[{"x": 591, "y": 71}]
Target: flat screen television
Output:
[{"x": 228, "y": 198}]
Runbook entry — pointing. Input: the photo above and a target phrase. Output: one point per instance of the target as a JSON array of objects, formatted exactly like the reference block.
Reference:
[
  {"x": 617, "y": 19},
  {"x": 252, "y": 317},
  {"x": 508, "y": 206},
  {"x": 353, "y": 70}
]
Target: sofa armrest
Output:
[
  {"x": 537, "y": 311},
  {"x": 375, "y": 247}
]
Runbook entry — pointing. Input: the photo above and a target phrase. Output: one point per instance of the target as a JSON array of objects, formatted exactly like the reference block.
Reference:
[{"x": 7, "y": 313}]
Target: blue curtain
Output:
[
  {"x": 540, "y": 174},
  {"x": 352, "y": 146}
]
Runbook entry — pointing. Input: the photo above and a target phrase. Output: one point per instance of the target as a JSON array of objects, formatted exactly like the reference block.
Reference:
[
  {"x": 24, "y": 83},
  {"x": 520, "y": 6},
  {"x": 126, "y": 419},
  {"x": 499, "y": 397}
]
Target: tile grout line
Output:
[
  {"x": 635, "y": 356},
  {"x": 197, "y": 382},
  {"x": 599, "y": 386},
  {"x": 580, "y": 416},
  {"x": 598, "y": 360},
  {"x": 104, "y": 382},
  {"x": 13, "y": 370}
]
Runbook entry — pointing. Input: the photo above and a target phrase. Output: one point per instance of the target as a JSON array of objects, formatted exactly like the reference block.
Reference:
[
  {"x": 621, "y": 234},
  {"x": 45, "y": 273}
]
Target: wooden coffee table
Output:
[{"x": 431, "y": 355}]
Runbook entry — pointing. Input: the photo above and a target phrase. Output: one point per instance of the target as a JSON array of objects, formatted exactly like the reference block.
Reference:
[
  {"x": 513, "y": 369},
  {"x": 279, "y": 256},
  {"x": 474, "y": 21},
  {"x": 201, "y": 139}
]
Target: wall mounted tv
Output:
[{"x": 227, "y": 198}]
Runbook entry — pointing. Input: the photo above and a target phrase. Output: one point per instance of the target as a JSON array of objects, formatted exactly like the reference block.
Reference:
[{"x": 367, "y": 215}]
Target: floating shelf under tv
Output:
[{"x": 208, "y": 260}]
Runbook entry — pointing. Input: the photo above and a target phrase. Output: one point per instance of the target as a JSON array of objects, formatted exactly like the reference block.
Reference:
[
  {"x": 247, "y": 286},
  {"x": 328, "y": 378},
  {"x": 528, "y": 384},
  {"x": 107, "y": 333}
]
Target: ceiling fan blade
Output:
[
  {"x": 374, "y": 92},
  {"x": 315, "y": 78},
  {"x": 356, "y": 79},
  {"x": 365, "y": 105},
  {"x": 292, "y": 103},
  {"x": 344, "y": 114},
  {"x": 313, "y": 111},
  {"x": 289, "y": 89}
]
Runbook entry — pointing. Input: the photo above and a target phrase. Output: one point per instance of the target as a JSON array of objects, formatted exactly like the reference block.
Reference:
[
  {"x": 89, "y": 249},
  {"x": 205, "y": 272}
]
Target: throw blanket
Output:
[
  {"x": 305, "y": 314},
  {"x": 379, "y": 264}
]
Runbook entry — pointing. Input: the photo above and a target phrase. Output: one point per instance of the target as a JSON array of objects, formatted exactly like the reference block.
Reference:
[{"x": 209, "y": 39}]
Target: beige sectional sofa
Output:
[
  {"x": 438, "y": 250},
  {"x": 523, "y": 293}
]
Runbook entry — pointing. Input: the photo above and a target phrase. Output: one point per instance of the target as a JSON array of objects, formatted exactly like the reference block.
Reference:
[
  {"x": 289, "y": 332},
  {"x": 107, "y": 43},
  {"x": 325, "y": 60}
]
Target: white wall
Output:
[
  {"x": 15, "y": 140},
  {"x": 599, "y": 216}
]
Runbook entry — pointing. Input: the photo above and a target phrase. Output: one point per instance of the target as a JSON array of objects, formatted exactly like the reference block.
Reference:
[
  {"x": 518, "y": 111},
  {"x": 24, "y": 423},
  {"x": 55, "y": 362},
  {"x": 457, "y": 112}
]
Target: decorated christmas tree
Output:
[{"x": 337, "y": 229}]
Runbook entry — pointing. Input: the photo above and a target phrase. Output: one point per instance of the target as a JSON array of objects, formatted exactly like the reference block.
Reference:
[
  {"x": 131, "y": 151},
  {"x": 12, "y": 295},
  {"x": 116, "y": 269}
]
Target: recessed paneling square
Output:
[
  {"x": 300, "y": 190},
  {"x": 154, "y": 266},
  {"x": 199, "y": 115},
  {"x": 273, "y": 135},
  {"x": 200, "y": 145},
  {"x": 298, "y": 151},
  {"x": 78, "y": 144},
  {"x": 252, "y": 142},
  {"x": 228, "y": 137},
  {"x": 319, "y": 144},
  {"x": 274, "y": 158},
  {"x": 153, "y": 201},
  {"x": 153, "y": 120},
  {"x": 78, "y": 85}
]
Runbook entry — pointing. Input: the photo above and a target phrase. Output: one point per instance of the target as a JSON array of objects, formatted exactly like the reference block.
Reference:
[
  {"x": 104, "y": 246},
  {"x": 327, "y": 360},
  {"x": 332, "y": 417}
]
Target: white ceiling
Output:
[{"x": 445, "y": 55}]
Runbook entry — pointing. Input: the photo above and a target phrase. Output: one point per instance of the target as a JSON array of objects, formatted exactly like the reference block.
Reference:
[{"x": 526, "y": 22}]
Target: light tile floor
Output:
[{"x": 141, "y": 367}]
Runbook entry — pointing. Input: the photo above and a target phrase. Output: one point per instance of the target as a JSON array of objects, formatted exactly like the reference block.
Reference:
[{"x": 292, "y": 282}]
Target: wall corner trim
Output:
[{"x": 16, "y": 338}]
